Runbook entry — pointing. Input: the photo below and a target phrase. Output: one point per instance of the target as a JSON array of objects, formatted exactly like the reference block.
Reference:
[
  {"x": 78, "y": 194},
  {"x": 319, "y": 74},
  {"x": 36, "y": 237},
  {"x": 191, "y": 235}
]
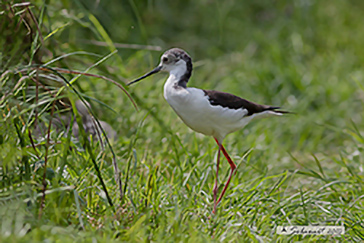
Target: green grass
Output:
[{"x": 301, "y": 169}]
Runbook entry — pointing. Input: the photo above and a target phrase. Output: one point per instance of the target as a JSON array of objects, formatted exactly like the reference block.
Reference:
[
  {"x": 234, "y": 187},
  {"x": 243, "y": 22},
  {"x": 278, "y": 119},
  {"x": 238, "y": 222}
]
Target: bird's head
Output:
[{"x": 174, "y": 61}]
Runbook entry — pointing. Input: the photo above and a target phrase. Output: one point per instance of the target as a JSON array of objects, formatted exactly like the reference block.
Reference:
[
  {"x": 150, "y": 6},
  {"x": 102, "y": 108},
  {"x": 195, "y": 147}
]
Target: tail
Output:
[{"x": 276, "y": 110}]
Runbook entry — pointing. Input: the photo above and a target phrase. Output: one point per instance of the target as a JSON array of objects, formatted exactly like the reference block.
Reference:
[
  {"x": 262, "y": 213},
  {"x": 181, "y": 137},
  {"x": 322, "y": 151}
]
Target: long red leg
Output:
[
  {"x": 232, "y": 166},
  {"x": 217, "y": 175}
]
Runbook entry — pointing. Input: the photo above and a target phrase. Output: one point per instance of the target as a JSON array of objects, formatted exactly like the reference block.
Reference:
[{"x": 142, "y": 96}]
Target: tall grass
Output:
[{"x": 305, "y": 169}]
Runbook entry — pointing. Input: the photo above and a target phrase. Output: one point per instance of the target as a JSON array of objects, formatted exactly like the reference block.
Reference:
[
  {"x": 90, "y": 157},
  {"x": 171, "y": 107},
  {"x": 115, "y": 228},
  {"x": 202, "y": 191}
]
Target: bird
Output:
[{"x": 212, "y": 113}]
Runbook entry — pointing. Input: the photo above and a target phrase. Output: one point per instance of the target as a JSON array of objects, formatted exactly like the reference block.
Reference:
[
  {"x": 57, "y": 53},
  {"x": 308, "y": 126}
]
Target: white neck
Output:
[
  {"x": 178, "y": 70},
  {"x": 176, "y": 74},
  {"x": 171, "y": 82}
]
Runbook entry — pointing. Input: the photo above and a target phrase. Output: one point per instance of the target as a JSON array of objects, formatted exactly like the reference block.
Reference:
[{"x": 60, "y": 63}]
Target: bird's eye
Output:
[{"x": 165, "y": 59}]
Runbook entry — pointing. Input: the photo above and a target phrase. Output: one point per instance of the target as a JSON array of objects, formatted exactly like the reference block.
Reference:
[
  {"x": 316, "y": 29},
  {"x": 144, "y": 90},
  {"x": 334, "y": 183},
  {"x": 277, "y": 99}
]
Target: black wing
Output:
[{"x": 234, "y": 102}]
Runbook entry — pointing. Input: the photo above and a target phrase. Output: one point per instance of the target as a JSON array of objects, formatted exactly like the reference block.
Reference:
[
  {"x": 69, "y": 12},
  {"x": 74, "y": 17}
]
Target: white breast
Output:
[{"x": 194, "y": 108}]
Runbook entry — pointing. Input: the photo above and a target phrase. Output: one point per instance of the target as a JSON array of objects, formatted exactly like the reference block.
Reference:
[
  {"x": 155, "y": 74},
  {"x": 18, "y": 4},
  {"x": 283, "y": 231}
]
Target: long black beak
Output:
[{"x": 155, "y": 70}]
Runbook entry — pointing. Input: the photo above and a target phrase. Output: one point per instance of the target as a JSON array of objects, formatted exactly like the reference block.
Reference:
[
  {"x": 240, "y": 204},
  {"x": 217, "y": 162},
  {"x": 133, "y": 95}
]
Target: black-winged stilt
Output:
[{"x": 212, "y": 113}]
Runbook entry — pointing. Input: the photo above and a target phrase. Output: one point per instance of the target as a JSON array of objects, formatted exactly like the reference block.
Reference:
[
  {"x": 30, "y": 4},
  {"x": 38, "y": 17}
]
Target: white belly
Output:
[{"x": 193, "y": 107}]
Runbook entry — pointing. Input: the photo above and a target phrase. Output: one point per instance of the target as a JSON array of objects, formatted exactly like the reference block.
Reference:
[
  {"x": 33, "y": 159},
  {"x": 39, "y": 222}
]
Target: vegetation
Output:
[{"x": 303, "y": 169}]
